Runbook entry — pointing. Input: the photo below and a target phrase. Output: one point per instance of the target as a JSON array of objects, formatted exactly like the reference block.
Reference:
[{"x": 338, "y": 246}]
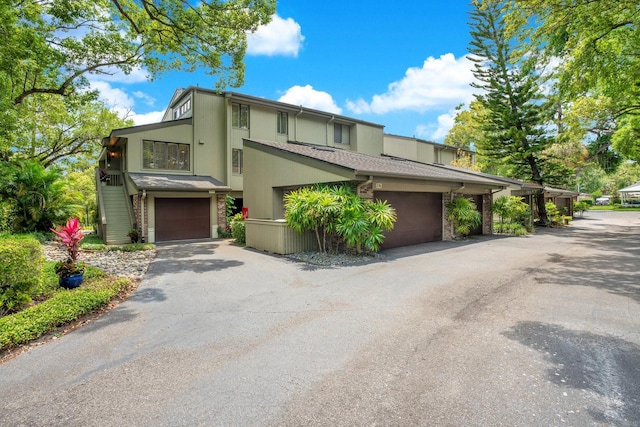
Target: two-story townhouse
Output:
[
  {"x": 424, "y": 151},
  {"x": 169, "y": 179}
]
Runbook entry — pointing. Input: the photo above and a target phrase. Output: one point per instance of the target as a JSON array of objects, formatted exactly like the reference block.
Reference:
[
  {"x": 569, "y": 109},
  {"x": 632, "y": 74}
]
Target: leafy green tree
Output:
[
  {"x": 464, "y": 214},
  {"x": 467, "y": 126},
  {"x": 591, "y": 178},
  {"x": 37, "y": 197},
  {"x": 52, "y": 131},
  {"x": 517, "y": 116},
  {"x": 52, "y": 47},
  {"x": 596, "y": 40}
]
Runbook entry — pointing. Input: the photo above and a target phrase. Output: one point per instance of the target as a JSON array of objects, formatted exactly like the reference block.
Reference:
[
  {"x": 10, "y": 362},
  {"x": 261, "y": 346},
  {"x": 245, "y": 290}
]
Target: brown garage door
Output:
[
  {"x": 178, "y": 219},
  {"x": 419, "y": 218}
]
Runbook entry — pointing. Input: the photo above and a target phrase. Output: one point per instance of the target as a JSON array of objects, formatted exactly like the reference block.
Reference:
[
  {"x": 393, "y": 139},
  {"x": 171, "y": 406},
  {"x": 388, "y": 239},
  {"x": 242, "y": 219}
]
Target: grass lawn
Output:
[{"x": 614, "y": 208}]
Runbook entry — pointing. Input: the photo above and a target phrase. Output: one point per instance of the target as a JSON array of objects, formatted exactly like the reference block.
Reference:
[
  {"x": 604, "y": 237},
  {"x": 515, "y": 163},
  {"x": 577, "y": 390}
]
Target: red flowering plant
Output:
[{"x": 70, "y": 236}]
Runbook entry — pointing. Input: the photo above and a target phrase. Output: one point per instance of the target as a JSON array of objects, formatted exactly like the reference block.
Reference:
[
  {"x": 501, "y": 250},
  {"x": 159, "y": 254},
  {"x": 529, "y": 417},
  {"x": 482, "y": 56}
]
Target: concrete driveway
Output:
[{"x": 542, "y": 330}]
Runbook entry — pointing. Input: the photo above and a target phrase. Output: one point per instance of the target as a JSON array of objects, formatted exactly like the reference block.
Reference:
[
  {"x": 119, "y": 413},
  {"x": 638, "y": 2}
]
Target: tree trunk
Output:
[{"x": 542, "y": 210}]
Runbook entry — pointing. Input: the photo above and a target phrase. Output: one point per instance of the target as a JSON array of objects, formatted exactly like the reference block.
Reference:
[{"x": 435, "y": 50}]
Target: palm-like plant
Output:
[{"x": 464, "y": 214}]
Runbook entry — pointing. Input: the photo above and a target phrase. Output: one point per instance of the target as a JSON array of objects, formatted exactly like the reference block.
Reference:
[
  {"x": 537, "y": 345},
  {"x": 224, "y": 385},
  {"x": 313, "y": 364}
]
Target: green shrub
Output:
[
  {"x": 464, "y": 215},
  {"x": 238, "y": 229},
  {"x": 553, "y": 214},
  {"x": 63, "y": 307},
  {"x": 19, "y": 271}
]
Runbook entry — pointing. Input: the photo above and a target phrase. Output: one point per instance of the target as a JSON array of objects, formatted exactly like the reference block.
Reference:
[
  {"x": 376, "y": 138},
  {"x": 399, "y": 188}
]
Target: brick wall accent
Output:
[
  {"x": 221, "y": 201},
  {"x": 447, "y": 232},
  {"x": 366, "y": 192},
  {"x": 137, "y": 215},
  {"x": 487, "y": 217}
]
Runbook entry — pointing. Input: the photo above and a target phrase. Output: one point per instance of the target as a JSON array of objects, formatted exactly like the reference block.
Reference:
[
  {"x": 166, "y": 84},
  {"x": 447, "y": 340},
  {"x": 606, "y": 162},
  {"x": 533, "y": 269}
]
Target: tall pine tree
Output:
[{"x": 517, "y": 115}]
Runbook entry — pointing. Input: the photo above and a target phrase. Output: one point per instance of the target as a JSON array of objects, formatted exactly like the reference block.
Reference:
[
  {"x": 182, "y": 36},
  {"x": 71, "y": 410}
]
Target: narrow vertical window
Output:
[
  {"x": 283, "y": 123},
  {"x": 341, "y": 133},
  {"x": 236, "y": 161},
  {"x": 240, "y": 116}
]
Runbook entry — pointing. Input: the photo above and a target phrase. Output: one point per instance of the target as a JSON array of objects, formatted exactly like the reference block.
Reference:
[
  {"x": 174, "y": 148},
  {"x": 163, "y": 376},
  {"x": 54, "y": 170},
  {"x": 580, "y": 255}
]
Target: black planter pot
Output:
[{"x": 71, "y": 282}]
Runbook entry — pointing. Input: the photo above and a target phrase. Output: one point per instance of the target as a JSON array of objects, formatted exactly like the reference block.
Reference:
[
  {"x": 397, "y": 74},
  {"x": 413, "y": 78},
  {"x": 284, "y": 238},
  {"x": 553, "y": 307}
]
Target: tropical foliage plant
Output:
[
  {"x": 511, "y": 210},
  {"x": 464, "y": 215},
  {"x": 70, "y": 236},
  {"x": 238, "y": 229},
  {"x": 33, "y": 198},
  {"x": 336, "y": 213}
]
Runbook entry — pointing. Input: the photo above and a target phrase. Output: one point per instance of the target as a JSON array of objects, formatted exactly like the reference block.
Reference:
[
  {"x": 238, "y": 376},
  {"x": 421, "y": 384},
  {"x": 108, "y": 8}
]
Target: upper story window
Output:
[
  {"x": 240, "y": 116},
  {"x": 283, "y": 123},
  {"x": 165, "y": 155},
  {"x": 236, "y": 161},
  {"x": 183, "y": 109},
  {"x": 341, "y": 133}
]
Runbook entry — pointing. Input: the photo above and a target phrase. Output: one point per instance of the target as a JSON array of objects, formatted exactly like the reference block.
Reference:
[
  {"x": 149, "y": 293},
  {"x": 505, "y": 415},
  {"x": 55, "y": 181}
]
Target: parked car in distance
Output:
[{"x": 603, "y": 201}]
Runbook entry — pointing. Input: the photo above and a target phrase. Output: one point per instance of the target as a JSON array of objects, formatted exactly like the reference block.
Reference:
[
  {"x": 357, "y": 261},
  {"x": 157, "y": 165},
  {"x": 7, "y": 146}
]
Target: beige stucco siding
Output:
[
  {"x": 209, "y": 136},
  {"x": 264, "y": 173},
  {"x": 404, "y": 148},
  {"x": 446, "y": 157},
  {"x": 426, "y": 153},
  {"x": 180, "y": 134},
  {"x": 368, "y": 139}
]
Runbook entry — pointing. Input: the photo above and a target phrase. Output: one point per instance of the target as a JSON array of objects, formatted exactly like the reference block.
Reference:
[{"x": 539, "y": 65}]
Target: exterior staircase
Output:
[{"x": 117, "y": 214}]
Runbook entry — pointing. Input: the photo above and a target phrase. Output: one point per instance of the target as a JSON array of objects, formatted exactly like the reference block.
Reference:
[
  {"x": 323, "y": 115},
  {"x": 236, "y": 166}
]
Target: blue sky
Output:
[{"x": 402, "y": 65}]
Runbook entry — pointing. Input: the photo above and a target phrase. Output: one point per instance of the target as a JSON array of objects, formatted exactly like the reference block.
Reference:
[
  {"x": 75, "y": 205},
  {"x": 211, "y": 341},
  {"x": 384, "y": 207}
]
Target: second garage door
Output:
[
  {"x": 180, "y": 219},
  {"x": 419, "y": 218}
]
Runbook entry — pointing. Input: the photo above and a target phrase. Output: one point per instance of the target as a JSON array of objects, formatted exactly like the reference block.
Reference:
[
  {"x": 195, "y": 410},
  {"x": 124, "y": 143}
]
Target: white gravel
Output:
[{"x": 118, "y": 263}]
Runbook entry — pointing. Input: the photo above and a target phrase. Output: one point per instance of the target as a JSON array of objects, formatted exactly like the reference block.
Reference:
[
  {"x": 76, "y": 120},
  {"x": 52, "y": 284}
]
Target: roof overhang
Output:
[{"x": 167, "y": 182}]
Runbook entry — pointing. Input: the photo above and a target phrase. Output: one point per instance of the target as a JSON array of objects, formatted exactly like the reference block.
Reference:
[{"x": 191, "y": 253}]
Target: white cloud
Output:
[
  {"x": 308, "y": 97},
  {"x": 146, "y": 118},
  {"x": 437, "y": 132},
  {"x": 278, "y": 37},
  {"x": 116, "y": 99},
  {"x": 145, "y": 97},
  {"x": 441, "y": 83},
  {"x": 122, "y": 103}
]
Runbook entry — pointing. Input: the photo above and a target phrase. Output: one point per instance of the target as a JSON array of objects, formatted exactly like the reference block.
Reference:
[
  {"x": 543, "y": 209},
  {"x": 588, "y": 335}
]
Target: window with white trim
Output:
[
  {"x": 165, "y": 155},
  {"x": 240, "y": 116}
]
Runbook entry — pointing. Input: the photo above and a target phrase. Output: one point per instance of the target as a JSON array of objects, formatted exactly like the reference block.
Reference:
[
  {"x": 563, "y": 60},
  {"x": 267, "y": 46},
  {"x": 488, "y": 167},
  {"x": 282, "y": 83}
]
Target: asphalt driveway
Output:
[{"x": 542, "y": 330}]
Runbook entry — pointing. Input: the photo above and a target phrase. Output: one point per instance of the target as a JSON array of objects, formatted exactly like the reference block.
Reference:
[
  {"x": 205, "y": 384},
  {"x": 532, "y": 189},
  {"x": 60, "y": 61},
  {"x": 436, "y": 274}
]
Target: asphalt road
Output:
[{"x": 535, "y": 331}]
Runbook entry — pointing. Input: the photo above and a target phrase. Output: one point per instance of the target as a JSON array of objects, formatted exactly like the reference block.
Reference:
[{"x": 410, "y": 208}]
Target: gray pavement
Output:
[{"x": 540, "y": 330}]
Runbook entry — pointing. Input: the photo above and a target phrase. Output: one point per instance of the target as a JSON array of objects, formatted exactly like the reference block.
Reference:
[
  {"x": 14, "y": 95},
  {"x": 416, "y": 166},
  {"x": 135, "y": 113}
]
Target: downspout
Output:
[
  {"x": 328, "y": 122},
  {"x": 295, "y": 123},
  {"x": 360, "y": 186},
  {"x": 144, "y": 196}
]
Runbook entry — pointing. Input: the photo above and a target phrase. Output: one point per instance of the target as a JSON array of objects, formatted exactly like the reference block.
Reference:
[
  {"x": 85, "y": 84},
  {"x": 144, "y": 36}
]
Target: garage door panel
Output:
[
  {"x": 180, "y": 219},
  {"x": 419, "y": 218}
]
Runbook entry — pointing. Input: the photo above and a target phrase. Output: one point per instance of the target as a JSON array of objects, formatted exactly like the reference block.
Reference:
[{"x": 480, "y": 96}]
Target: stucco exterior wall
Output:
[
  {"x": 180, "y": 134},
  {"x": 209, "y": 136},
  {"x": 268, "y": 173}
]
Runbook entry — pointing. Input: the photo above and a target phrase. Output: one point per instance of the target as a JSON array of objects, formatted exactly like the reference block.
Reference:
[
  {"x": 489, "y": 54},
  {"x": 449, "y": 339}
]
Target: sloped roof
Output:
[
  {"x": 524, "y": 184},
  {"x": 364, "y": 164},
  {"x": 635, "y": 188},
  {"x": 166, "y": 182}
]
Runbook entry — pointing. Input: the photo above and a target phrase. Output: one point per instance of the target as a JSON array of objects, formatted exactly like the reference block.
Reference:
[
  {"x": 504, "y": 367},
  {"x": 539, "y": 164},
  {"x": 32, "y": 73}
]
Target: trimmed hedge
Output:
[
  {"x": 20, "y": 271},
  {"x": 65, "y": 306}
]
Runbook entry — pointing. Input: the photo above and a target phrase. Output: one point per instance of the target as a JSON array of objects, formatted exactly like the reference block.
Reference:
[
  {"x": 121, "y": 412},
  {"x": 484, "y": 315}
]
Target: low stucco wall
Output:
[{"x": 276, "y": 237}]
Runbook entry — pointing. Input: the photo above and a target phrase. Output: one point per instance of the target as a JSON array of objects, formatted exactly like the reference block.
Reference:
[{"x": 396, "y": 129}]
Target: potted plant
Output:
[
  {"x": 70, "y": 271},
  {"x": 133, "y": 235}
]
